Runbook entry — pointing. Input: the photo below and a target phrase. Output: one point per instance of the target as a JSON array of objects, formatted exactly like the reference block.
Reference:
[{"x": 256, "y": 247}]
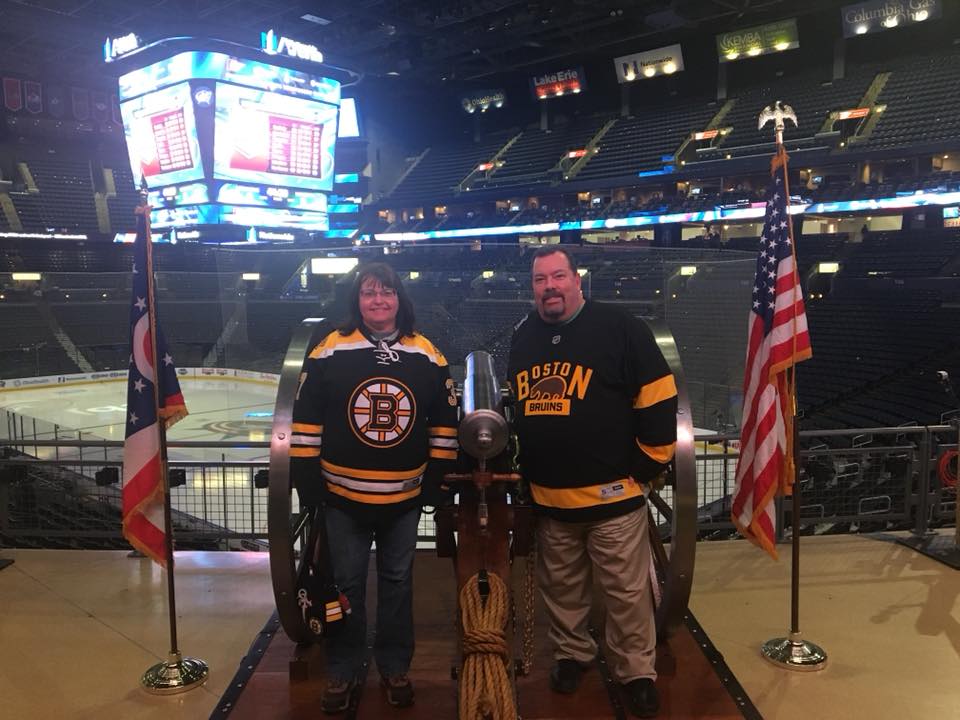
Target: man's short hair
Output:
[{"x": 550, "y": 250}]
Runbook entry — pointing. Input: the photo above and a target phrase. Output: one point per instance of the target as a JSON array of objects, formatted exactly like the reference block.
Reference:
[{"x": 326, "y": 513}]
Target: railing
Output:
[{"x": 53, "y": 491}]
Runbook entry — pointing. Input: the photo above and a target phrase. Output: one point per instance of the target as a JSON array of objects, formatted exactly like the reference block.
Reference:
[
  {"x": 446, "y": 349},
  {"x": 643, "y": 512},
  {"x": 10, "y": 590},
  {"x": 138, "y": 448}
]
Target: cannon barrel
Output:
[{"x": 483, "y": 428}]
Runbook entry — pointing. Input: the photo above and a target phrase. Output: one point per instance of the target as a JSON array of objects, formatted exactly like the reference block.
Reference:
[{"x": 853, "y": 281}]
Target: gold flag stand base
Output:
[
  {"x": 794, "y": 653},
  {"x": 178, "y": 674}
]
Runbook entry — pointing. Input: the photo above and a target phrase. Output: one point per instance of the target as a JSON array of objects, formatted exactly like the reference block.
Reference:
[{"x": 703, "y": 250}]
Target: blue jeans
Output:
[{"x": 350, "y": 536}]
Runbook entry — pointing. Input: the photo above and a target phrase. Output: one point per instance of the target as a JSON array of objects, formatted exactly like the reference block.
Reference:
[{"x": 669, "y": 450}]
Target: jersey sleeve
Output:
[
  {"x": 442, "y": 416},
  {"x": 654, "y": 401},
  {"x": 306, "y": 431}
]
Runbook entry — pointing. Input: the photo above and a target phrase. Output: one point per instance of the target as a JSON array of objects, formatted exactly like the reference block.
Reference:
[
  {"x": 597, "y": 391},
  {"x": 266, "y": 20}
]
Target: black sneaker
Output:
[
  {"x": 565, "y": 676},
  {"x": 642, "y": 698},
  {"x": 336, "y": 696},
  {"x": 399, "y": 690}
]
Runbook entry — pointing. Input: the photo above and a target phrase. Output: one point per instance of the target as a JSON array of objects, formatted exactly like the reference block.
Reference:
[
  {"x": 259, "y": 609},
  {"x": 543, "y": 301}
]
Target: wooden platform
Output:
[{"x": 693, "y": 680}]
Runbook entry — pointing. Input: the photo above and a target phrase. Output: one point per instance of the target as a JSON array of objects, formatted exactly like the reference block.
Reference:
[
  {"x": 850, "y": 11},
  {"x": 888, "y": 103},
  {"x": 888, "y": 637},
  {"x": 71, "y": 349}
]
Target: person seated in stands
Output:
[{"x": 375, "y": 414}]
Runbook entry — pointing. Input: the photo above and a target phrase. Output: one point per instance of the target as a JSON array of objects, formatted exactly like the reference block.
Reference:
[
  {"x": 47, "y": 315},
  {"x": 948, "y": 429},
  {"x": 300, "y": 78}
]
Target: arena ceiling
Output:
[{"x": 425, "y": 40}]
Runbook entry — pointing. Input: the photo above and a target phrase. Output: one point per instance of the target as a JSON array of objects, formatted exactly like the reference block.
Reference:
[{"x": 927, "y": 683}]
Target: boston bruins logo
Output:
[{"x": 382, "y": 411}]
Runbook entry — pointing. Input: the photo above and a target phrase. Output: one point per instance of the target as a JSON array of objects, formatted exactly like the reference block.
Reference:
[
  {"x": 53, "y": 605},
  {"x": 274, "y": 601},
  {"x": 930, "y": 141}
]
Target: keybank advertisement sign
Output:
[
  {"x": 877, "y": 15},
  {"x": 760, "y": 40}
]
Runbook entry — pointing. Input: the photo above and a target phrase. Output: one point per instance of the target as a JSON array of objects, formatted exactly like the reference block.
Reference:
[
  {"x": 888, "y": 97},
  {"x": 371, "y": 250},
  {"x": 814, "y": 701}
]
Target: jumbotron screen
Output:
[
  {"x": 231, "y": 141},
  {"x": 161, "y": 134},
  {"x": 272, "y": 139}
]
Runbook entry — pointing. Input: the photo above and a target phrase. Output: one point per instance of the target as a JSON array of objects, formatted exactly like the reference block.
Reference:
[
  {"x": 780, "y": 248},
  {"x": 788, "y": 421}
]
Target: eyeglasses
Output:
[{"x": 387, "y": 293}]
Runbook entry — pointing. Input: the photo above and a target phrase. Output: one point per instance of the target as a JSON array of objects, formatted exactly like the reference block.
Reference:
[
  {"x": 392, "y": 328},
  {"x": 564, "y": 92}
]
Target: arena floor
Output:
[{"x": 79, "y": 627}]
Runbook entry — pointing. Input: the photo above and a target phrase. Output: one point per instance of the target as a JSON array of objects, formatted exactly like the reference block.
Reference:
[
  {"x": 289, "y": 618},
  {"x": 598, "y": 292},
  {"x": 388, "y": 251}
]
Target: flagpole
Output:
[
  {"x": 178, "y": 674},
  {"x": 793, "y": 652}
]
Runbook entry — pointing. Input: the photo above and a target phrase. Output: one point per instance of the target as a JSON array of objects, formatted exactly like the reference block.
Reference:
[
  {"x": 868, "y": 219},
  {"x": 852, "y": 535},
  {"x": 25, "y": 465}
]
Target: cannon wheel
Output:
[
  {"x": 287, "y": 530},
  {"x": 675, "y": 538}
]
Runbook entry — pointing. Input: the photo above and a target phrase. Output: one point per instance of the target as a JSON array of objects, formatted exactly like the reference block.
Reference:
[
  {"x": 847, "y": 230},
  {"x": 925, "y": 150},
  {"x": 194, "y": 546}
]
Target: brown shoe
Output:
[{"x": 399, "y": 690}]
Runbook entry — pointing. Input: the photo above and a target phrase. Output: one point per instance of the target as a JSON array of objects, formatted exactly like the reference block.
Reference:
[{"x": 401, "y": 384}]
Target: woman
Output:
[{"x": 376, "y": 411}]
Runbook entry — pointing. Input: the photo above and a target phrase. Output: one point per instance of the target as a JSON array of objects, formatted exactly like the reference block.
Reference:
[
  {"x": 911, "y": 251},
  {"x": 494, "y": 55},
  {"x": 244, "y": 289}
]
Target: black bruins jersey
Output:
[
  {"x": 596, "y": 410},
  {"x": 369, "y": 416}
]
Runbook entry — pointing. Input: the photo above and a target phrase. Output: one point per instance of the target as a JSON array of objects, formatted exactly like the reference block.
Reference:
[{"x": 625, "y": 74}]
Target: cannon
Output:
[{"x": 485, "y": 437}]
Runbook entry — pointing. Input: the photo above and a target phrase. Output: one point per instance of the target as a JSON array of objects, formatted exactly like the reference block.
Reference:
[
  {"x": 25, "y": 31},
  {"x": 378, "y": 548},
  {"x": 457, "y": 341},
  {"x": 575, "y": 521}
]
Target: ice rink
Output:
[{"x": 221, "y": 409}]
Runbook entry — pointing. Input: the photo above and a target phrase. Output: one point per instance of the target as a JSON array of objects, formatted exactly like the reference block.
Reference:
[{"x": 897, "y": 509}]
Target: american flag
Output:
[
  {"x": 778, "y": 339},
  {"x": 143, "y": 487}
]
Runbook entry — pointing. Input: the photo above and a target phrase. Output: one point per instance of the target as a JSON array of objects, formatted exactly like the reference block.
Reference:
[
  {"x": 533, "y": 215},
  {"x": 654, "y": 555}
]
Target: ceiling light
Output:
[
  {"x": 861, "y": 29},
  {"x": 754, "y": 51},
  {"x": 782, "y": 45},
  {"x": 670, "y": 67},
  {"x": 649, "y": 71},
  {"x": 315, "y": 19},
  {"x": 733, "y": 55}
]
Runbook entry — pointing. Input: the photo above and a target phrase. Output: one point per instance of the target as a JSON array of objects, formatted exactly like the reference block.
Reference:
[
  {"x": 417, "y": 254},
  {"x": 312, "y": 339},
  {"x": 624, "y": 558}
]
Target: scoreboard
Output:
[{"x": 223, "y": 139}]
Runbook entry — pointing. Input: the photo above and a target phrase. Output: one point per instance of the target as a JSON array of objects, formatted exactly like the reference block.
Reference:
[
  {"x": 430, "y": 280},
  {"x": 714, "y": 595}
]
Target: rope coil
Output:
[{"x": 485, "y": 689}]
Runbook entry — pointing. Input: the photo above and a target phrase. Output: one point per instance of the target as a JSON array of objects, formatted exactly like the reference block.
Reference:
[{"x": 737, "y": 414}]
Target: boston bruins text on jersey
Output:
[
  {"x": 369, "y": 416},
  {"x": 596, "y": 411}
]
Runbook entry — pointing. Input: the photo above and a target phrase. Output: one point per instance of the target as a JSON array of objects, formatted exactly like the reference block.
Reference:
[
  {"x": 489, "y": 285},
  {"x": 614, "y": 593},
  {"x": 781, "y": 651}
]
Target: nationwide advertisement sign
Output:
[
  {"x": 878, "y": 15},
  {"x": 761, "y": 40},
  {"x": 554, "y": 84},
  {"x": 662, "y": 61}
]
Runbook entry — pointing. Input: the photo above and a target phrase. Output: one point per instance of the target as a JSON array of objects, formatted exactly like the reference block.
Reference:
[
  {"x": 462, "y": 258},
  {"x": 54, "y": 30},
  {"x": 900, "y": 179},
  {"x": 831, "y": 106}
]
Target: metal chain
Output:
[{"x": 526, "y": 653}]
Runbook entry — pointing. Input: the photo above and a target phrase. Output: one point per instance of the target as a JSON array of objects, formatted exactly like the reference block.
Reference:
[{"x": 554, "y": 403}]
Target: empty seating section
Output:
[
  {"x": 923, "y": 103},
  {"x": 121, "y": 207},
  {"x": 27, "y": 345},
  {"x": 439, "y": 173},
  {"x": 639, "y": 142},
  {"x": 65, "y": 192},
  {"x": 861, "y": 340},
  {"x": 812, "y": 95},
  {"x": 920, "y": 254},
  {"x": 536, "y": 152}
]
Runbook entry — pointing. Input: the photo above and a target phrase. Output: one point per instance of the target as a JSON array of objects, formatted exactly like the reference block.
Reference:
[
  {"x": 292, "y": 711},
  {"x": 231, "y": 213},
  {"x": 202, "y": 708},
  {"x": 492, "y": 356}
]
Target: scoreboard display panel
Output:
[
  {"x": 227, "y": 140},
  {"x": 161, "y": 134},
  {"x": 272, "y": 139}
]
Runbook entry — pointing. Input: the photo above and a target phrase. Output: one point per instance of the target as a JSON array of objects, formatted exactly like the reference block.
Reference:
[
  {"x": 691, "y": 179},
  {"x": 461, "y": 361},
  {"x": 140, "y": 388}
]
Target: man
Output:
[{"x": 596, "y": 416}]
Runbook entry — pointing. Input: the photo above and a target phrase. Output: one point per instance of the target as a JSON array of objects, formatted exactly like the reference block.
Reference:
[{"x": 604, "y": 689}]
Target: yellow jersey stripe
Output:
[
  {"x": 654, "y": 392},
  {"x": 586, "y": 497},
  {"x": 659, "y": 453},
  {"x": 306, "y": 428},
  {"x": 444, "y": 431},
  {"x": 418, "y": 343},
  {"x": 373, "y": 498},
  {"x": 304, "y": 452},
  {"x": 391, "y": 475},
  {"x": 443, "y": 454},
  {"x": 335, "y": 341}
]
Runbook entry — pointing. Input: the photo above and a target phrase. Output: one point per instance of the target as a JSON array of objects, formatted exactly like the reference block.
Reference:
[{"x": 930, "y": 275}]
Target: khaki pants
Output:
[{"x": 617, "y": 553}]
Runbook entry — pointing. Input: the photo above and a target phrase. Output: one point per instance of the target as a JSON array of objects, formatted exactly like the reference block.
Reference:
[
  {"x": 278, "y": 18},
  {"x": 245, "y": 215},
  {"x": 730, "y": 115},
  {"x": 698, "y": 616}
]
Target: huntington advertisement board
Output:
[
  {"x": 661, "y": 61},
  {"x": 761, "y": 40},
  {"x": 877, "y": 15}
]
